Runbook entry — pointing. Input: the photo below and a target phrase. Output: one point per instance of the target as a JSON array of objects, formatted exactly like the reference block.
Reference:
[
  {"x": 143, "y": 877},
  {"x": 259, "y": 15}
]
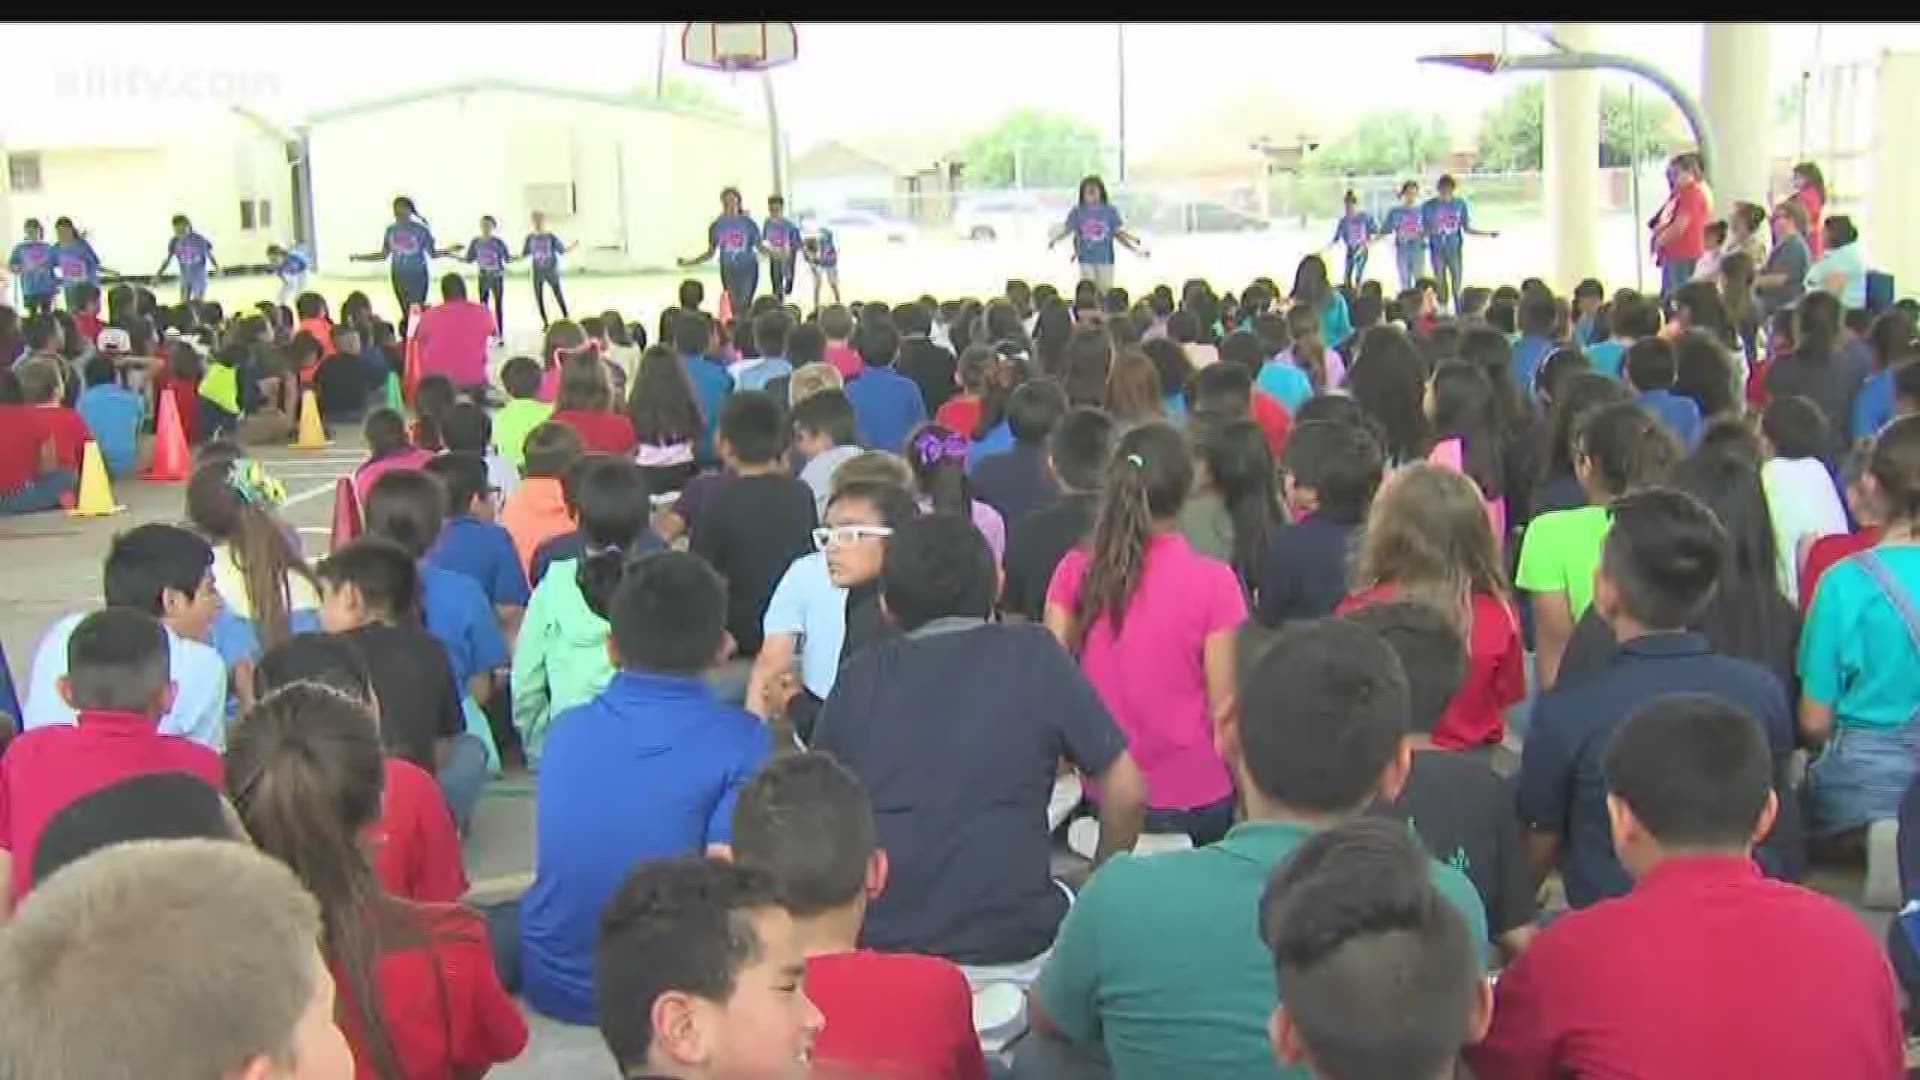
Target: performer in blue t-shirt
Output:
[
  {"x": 408, "y": 248},
  {"x": 781, "y": 240},
  {"x": 1409, "y": 234},
  {"x": 542, "y": 251},
  {"x": 735, "y": 236},
  {"x": 194, "y": 254},
  {"x": 490, "y": 254},
  {"x": 1446, "y": 222},
  {"x": 1356, "y": 229},
  {"x": 31, "y": 264},
  {"x": 1094, "y": 225}
]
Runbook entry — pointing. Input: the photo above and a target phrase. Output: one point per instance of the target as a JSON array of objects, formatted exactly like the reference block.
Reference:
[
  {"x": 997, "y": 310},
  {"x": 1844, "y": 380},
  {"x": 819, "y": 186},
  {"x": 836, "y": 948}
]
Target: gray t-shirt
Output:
[
  {"x": 1790, "y": 257},
  {"x": 818, "y": 474}
]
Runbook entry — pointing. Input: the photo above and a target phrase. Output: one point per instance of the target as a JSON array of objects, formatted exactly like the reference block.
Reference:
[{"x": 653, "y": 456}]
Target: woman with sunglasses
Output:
[{"x": 827, "y": 606}]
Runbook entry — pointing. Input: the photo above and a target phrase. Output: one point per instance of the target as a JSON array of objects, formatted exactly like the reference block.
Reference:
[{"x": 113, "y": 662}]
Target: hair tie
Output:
[
  {"x": 937, "y": 445},
  {"x": 249, "y": 480},
  {"x": 1136, "y": 461}
]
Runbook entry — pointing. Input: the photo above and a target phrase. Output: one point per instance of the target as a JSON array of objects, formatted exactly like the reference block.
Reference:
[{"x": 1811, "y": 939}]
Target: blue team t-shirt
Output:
[
  {"x": 76, "y": 261},
  {"x": 735, "y": 237},
  {"x": 456, "y": 611},
  {"x": 1406, "y": 225},
  {"x": 1355, "y": 229},
  {"x": 829, "y": 252},
  {"x": 113, "y": 414},
  {"x": 544, "y": 249},
  {"x": 32, "y": 265},
  {"x": 489, "y": 253},
  {"x": 409, "y": 245},
  {"x": 191, "y": 252},
  {"x": 782, "y": 236},
  {"x": 1444, "y": 220},
  {"x": 483, "y": 551},
  {"x": 1093, "y": 228},
  {"x": 294, "y": 264}
]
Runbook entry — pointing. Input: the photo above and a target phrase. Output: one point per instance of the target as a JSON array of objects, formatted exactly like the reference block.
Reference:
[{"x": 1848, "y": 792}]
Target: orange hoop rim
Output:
[{"x": 733, "y": 62}]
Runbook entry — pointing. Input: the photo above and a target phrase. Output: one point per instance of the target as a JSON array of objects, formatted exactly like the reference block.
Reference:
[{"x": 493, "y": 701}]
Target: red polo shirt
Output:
[
  {"x": 601, "y": 432},
  {"x": 49, "y": 768},
  {"x": 1706, "y": 969},
  {"x": 445, "y": 1010},
  {"x": 1688, "y": 206},
  {"x": 416, "y": 851},
  {"x": 896, "y": 1015}
]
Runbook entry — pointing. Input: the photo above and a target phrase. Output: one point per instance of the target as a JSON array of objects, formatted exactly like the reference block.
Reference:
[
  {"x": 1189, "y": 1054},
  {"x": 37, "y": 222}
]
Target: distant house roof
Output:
[
  {"x": 901, "y": 155},
  {"x": 491, "y": 85}
]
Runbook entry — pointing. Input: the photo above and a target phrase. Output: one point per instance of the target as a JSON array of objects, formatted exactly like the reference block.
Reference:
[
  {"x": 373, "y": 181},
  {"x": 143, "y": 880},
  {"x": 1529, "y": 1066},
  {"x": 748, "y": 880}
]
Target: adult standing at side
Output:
[
  {"x": 1810, "y": 191},
  {"x": 1679, "y": 230},
  {"x": 1094, "y": 225}
]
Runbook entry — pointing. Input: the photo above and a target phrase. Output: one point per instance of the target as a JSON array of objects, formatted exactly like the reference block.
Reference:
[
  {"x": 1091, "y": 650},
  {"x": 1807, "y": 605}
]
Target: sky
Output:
[{"x": 852, "y": 80}]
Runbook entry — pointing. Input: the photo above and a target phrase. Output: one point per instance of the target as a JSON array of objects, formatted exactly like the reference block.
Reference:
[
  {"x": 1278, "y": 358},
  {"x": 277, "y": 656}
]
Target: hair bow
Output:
[
  {"x": 936, "y": 445},
  {"x": 250, "y": 480}
]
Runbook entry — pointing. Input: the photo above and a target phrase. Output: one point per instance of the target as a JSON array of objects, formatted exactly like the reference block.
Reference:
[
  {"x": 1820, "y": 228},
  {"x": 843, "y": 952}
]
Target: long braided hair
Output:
[{"x": 1147, "y": 480}]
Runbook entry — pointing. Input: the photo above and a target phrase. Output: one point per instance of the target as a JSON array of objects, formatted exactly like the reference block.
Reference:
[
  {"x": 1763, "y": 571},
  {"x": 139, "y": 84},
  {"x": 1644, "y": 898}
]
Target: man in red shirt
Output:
[
  {"x": 806, "y": 821},
  {"x": 118, "y": 679},
  {"x": 453, "y": 337},
  {"x": 1680, "y": 228},
  {"x": 1706, "y": 968}
]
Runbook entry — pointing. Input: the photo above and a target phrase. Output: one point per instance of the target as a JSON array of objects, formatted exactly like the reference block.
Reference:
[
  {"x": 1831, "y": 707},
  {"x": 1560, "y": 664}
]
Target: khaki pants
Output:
[{"x": 1100, "y": 274}]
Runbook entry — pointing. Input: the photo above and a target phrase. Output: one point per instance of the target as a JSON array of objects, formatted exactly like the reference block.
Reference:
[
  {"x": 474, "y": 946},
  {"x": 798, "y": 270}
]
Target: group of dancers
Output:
[{"x": 1434, "y": 230}]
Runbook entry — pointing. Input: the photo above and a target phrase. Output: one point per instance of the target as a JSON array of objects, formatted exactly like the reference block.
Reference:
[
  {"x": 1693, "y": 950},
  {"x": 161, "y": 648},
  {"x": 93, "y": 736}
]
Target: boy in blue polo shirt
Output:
[
  {"x": 112, "y": 414},
  {"x": 646, "y": 770},
  {"x": 471, "y": 542},
  {"x": 1662, "y": 558},
  {"x": 1651, "y": 367},
  {"x": 887, "y": 405}
]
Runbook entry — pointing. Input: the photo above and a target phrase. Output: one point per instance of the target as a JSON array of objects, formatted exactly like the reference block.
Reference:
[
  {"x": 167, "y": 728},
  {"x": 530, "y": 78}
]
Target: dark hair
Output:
[
  {"x": 1341, "y": 462},
  {"x": 1311, "y": 288},
  {"x": 1170, "y": 361},
  {"x": 382, "y": 572},
  {"x": 752, "y": 426},
  {"x": 691, "y": 294},
  {"x": 1463, "y": 408},
  {"x": 1650, "y": 364},
  {"x": 1635, "y": 318},
  {"x": 1034, "y": 410},
  {"x": 1148, "y": 478},
  {"x": 408, "y": 507},
  {"x": 668, "y": 614},
  {"x": 1536, "y": 314},
  {"x": 1432, "y": 653},
  {"x": 1224, "y": 391},
  {"x": 878, "y": 342},
  {"x": 1906, "y": 381},
  {"x": 1895, "y": 466},
  {"x": 1795, "y": 426},
  {"x": 1579, "y": 394},
  {"x": 1133, "y": 389},
  {"x": 1388, "y": 383},
  {"x": 826, "y": 413},
  {"x": 1626, "y": 446},
  {"x": 1079, "y": 448},
  {"x": 117, "y": 660},
  {"x": 551, "y": 449},
  {"x": 386, "y": 433},
  {"x": 152, "y": 806},
  {"x": 1562, "y": 364},
  {"x": 770, "y": 332},
  {"x": 147, "y": 561},
  {"x": 1664, "y": 554},
  {"x": 1838, "y": 231},
  {"x": 1704, "y": 371},
  {"x": 1380, "y": 971},
  {"x": 1816, "y": 327},
  {"x": 1892, "y": 339},
  {"x": 1089, "y": 359},
  {"x": 1323, "y": 712},
  {"x": 806, "y": 820},
  {"x": 431, "y": 399},
  {"x": 1694, "y": 769},
  {"x": 463, "y": 476},
  {"x": 583, "y": 385},
  {"x": 328, "y": 659},
  {"x": 260, "y": 548},
  {"x": 1705, "y": 309},
  {"x": 1241, "y": 466},
  {"x": 608, "y": 496},
  {"x": 692, "y": 333},
  {"x": 1491, "y": 352},
  {"x": 937, "y": 566},
  {"x": 662, "y": 406},
  {"x": 675, "y": 925},
  {"x": 1747, "y": 616},
  {"x": 805, "y": 345},
  {"x": 306, "y": 773}
]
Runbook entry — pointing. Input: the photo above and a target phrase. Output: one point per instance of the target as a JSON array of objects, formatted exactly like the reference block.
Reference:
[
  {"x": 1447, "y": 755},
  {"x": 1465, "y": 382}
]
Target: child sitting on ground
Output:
[
  {"x": 415, "y": 845},
  {"x": 523, "y": 411},
  {"x": 1650, "y": 368},
  {"x": 560, "y": 659},
  {"x": 1461, "y": 808},
  {"x": 43, "y": 383},
  {"x": 113, "y": 415},
  {"x": 585, "y": 402},
  {"x": 371, "y": 590},
  {"x": 265, "y": 589},
  {"x": 537, "y": 509},
  {"x": 938, "y": 456},
  {"x": 1801, "y": 500},
  {"x": 119, "y": 680},
  {"x": 31, "y": 479},
  {"x": 666, "y": 420},
  {"x": 465, "y": 429},
  {"x": 806, "y": 821},
  {"x": 471, "y": 542},
  {"x": 1329, "y": 473},
  {"x": 647, "y": 769},
  {"x": 823, "y": 427},
  {"x": 388, "y": 449}
]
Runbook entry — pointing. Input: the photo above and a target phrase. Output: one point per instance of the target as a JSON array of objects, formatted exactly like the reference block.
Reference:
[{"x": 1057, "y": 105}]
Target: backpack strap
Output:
[{"x": 1895, "y": 593}]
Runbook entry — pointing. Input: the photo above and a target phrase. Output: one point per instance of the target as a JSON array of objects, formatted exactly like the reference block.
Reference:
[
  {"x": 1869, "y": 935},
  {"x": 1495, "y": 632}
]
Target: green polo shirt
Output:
[{"x": 1161, "y": 958}]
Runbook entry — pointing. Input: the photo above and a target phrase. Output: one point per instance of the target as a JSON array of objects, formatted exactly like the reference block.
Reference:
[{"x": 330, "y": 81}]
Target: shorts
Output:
[{"x": 1100, "y": 274}]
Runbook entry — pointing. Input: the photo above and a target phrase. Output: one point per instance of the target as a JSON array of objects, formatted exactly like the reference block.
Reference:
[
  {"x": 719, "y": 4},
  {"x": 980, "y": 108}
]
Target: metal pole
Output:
[
  {"x": 1633, "y": 180},
  {"x": 1120, "y": 48},
  {"x": 660, "y": 63},
  {"x": 773, "y": 134},
  {"x": 1582, "y": 61}
]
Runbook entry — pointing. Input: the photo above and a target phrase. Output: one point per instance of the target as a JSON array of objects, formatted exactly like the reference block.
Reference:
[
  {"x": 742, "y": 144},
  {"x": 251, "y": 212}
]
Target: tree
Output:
[
  {"x": 688, "y": 94},
  {"x": 1033, "y": 148},
  {"x": 1513, "y": 134},
  {"x": 1394, "y": 141}
]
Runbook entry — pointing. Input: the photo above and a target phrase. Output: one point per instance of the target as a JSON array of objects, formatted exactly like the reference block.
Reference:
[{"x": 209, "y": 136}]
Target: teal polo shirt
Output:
[{"x": 1161, "y": 960}]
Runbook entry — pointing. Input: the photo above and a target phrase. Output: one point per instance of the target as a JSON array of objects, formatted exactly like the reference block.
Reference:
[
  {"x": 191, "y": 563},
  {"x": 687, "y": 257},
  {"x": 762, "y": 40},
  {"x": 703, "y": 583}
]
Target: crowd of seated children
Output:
[
  {"x": 471, "y": 541},
  {"x": 113, "y": 415},
  {"x": 1328, "y": 477},
  {"x": 647, "y": 768},
  {"x": 666, "y": 419},
  {"x": 1801, "y": 498},
  {"x": 522, "y": 412},
  {"x": 1075, "y": 463},
  {"x": 31, "y": 476},
  {"x": 537, "y": 510},
  {"x": 415, "y": 845},
  {"x": 823, "y": 436}
]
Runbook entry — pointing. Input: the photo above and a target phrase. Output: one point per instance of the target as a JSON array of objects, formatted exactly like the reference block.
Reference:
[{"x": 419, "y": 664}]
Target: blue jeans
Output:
[
  {"x": 41, "y": 493},
  {"x": 1407, "y": 258},
  {"x": 1446, "y": 270},
  {"x": 1356, "y": 267},
  {"x": 462, "y": 776},
  {"x": 1674, "y": 274}
]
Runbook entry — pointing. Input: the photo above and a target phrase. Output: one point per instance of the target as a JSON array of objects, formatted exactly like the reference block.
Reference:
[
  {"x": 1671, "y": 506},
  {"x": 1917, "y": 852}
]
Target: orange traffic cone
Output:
[
  {"x": 171, "y": 460},
  {"x": 312, "y": 435},
  {"x": 410, "y": 356},
  {"x": 346, "y": 514},
  {"x": 726, "y": 308},
  {"x": 96, "y": 492}
]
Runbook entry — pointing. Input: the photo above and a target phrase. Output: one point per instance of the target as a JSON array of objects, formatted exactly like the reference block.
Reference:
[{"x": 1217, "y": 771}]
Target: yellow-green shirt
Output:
[
  {"x": 511, "y": 425},
  {"x": 1560, "y": 553}
]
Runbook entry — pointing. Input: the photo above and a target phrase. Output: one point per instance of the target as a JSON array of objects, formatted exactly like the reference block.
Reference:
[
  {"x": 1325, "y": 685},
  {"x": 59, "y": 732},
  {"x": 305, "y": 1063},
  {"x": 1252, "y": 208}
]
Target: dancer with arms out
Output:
[
  {"x": 31, "y": 264},
  {"x": 490, "y": 254},
  {"x": 408, "y": 248},
  {"x": 1094, "y": 225},
  {"x": 194, "y": 254},
  {"x": 1447, "y": 223},
  {"x": 543, "y": 250},
  {"x": 1355, "y": 229},
  {"x": 735, "y": 236}
]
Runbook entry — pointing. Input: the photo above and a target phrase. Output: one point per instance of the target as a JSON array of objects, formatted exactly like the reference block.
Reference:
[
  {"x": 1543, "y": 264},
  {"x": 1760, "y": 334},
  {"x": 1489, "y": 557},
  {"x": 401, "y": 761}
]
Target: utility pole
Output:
[
  {"x": 660, "y": 62},
  {"x": 1120, "y": 48}
]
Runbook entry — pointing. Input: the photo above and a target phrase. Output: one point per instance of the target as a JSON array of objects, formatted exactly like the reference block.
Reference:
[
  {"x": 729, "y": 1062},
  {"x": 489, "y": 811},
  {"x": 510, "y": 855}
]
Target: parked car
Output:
[
  {"x": 859, "y": 226},
  {"x": 1002, "y": 215}
]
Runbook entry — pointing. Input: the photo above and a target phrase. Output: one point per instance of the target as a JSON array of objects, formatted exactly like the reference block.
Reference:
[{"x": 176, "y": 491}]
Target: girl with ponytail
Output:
[
  {"x": 1152, "y": 623},
  {"x": 560, "y": 659},
  {"x": 418, "y": 991},
  {"x": 259, "y": 575},
  {"x": 938, "y": 456},
  {"x": 1235, "y": 503}
]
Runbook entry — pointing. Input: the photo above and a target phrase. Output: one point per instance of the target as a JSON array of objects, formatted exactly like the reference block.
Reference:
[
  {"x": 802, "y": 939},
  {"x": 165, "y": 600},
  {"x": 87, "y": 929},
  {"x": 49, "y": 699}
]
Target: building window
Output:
[
  {"x": 255, "y": 214},
  {"x": 265, "y": 214},
  {"x": 23, "y": 172},
  {"x": 246, "y": 214}
]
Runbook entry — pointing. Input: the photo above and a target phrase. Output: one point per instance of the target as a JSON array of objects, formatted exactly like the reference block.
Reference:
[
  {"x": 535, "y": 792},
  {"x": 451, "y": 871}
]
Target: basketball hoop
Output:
[{"x": 739, "y": 46}]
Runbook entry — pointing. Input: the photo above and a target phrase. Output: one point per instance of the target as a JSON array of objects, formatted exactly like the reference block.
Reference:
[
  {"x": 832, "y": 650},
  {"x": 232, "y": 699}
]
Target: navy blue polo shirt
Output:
[
  {"x": 648, "y": 769},
  {"x": 1015, "y": 482},
  {"x": 960, "y": 769},
  {"x": 1306, "y": 569},
  {"x": 886, "y": 406},
  {"x": 484, "y": 552},
  {"x": 1562, "y": 786},
  {"x": 573, "y": 544}
]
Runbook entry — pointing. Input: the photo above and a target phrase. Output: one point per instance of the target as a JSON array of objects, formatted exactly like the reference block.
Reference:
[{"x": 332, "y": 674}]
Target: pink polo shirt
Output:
[
  {"x": 453, "y": 341},
  {"x": 1153, "y": 677}
]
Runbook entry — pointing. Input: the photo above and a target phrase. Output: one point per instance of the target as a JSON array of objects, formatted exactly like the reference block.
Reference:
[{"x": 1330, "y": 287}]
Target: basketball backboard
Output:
[{"x": 739, "y": 46}]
